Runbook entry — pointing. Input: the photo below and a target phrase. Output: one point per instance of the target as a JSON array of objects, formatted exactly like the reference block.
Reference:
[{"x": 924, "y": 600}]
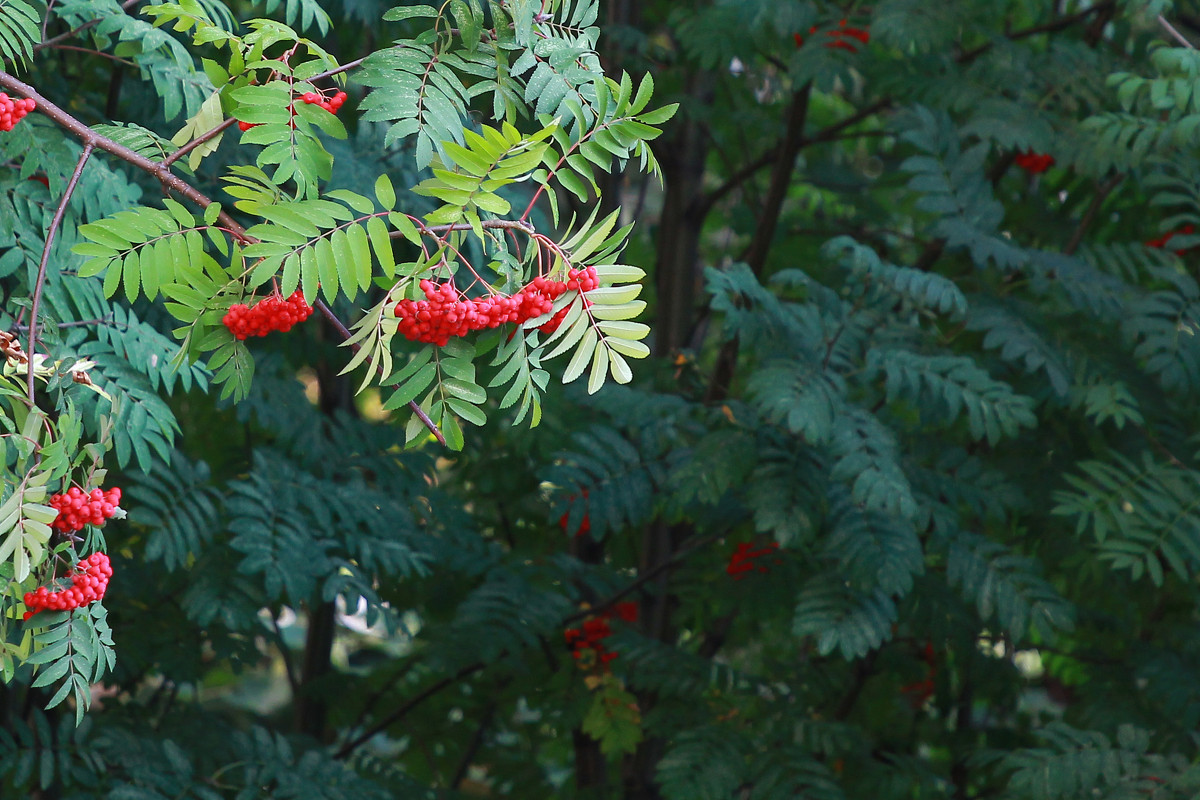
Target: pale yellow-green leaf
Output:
[
  {"x": 208, "y": 117},
  {"x": 627, "y": 347},
  {"x": 624, "y": 330},
  {"x": 599, "y": 370},
  {"x": 583, "y": 353},
  {"x": 618, "y": 273},
  {"x": 572, "y": 334},
  {"x": 619, "y": 311},
  {"x": 614, "y": 295},
  {"x": 620, "y": 368}
]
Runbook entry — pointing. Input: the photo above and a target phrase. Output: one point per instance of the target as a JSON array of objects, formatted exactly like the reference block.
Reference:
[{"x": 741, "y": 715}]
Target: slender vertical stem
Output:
[{"x": 41, "y": 275}]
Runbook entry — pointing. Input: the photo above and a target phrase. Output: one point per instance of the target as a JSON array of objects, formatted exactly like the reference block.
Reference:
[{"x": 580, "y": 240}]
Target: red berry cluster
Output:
[
  {"x": 586, "y": 524},
  {"x": 313, "y": 99},
  {"x": 742, "y": 559},
  {"x": 272, "y": 313},
  {"x": 88, "y": 584},
  {"x": 1034, "y": 163},
  {"x": 76, "y": 509},
  {"x": 13, "y": 111},
  {"x": 839, "y": 36},
  {"x": 1161, "y": 241},
  {"x": 445, "y": 313},
  {"x": 587, "y": 641},
  {"x": 922, "y": 690}
]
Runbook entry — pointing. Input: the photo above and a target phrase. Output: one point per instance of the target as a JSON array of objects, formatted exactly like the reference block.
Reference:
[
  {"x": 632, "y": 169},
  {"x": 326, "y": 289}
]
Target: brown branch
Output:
[
  {"x": 1179, "y": 37},
  {"x": 414, "y": 701},
  {"x": 1052, "y": 26},
  {"x": 1093, "y": 209},
  {"x": 170, "y": 181},
  {"x": 199, "y": 140},
  {"x": 344, "y": 332},
  {"x": 464, "y": 764},
  {"x": 55, "y": 222},
  {"x": 640, "y": 581},
  {"x": 487, "y": 224},
  {"x": 349, "y": 65},
  {"x": 768, "y": 158},
  {"x": 75, "y": 31}
]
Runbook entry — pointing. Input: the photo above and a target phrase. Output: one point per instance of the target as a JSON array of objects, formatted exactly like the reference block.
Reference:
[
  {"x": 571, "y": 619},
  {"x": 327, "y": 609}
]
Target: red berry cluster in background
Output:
[
  {"x": 839, "y": 36},
  {"x": 88, "y": 584},
  {"x": 1034, "y": 163},
  {"x": 922, "y": 690},
  {"x": 13, "y": 111},
  {"x": 445, "y": 313},
  {"x": 587, "y": 641},
  {"x": 76, "y": 509},
  {"x": 1161, "y": 241},
  {"x": 584, "y": 526},
  {"x": 272, "y": 313},
  {"x": 313, "y": 99},
  {"x": 742, "y": 559}
]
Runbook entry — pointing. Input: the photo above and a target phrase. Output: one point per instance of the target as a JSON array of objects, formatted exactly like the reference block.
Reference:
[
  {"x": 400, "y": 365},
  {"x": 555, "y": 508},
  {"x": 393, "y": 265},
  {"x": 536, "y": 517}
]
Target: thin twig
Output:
[
  {"x": 1089, "y": 216},
  {"x": 199, "y": 140},
  {"x": 641, "y": 580},
  {"x": 1053, "y": 26},
  {"x": 487, "y": 224},
  {"x": 91, "y": 51},
  {"x": 394, "y": 717},
  {"x": 344, "y": 332},
  {"x": 768, "y": 158},
  {"x": 1179, "y": 37},
  {"x": 108, "y": 320},
  {"x": 336, "y": 70},
  {"x": 75, "y": 31},
  {"x": 41, "y": 275}
]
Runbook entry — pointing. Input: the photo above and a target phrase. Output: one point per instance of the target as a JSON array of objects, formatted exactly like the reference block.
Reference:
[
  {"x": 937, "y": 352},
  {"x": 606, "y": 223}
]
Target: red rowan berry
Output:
[
  {"x": 89, "y": 581},
  {"x": 272, "y": 313},
  {"x": 13, "y": 111}
]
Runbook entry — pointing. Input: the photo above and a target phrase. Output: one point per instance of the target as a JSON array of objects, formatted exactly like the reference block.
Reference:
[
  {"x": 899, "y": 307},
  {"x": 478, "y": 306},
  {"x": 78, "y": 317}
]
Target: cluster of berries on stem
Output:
[
  {"x": 839, "y": 35},
  {"x": 331, "y": 105},
  {"x": 89, "y": 581},
  {"x": 585, "y": 526},
  {"x": 742, "y": 560},
  {"x": 587, "y": 641},
  {"x": 76, "y": 509},
  {"x": 272, "y": 313},
  {"x": 1161, "y": 241},
  {"x": 1034, "y": 163},
  {"x": 13, "y": 111},
  {"x": 446, "y": 313}
]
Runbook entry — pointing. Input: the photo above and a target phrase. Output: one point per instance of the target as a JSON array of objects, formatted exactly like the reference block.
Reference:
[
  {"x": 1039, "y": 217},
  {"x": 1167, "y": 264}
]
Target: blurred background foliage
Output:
[{"x": 905, "y": 504}]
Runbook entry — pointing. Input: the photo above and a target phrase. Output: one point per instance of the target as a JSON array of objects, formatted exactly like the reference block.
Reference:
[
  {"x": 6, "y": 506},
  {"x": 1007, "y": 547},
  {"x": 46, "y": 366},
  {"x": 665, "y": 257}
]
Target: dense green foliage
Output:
[{"x": 903, "y": 502}]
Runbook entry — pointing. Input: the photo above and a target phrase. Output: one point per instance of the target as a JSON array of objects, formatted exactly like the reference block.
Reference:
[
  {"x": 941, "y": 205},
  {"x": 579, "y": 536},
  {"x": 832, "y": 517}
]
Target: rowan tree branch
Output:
[
  {"x": 170, "y": 181},
  {"x": 414, "y": 701},
  {"x": 1093, "y": 208},
  {"x": 80, "y": 29},
  {"x": 1053, "y": 26},
  {"x": 55, "y": 222}
]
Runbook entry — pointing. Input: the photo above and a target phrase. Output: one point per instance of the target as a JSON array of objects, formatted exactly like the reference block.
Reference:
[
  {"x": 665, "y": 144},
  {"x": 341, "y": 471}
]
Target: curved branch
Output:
[{"x": 55, "y": 222}]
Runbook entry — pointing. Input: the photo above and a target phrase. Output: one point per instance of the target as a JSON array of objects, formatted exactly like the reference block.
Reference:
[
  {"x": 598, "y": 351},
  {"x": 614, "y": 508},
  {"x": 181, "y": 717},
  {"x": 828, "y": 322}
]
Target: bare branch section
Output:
[
  {"x": 55, "y": 222},
  {"x": 171, "y": 183}
]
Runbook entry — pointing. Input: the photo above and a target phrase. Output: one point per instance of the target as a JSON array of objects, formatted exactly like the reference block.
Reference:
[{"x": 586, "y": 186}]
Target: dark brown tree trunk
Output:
[{"x": 678, "y": 273}]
